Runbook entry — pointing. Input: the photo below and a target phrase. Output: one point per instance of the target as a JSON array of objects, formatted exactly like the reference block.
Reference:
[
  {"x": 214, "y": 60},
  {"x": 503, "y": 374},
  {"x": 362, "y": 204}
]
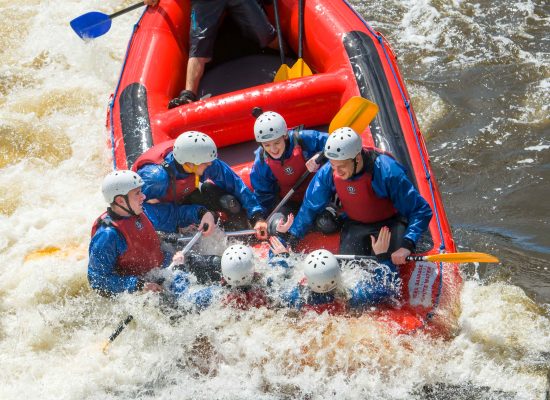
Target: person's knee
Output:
[
  {"x": 229, "y": 203},
  {"x": 327, "y": 222}
]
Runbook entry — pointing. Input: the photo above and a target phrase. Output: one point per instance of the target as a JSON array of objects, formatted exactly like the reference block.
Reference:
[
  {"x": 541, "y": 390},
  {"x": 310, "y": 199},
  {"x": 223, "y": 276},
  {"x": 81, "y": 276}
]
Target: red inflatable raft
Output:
[{"x": 348, "y": 58}]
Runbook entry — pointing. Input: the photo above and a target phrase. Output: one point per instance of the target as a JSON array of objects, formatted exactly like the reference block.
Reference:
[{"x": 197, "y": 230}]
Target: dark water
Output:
[{"x": 479, "y": 77}]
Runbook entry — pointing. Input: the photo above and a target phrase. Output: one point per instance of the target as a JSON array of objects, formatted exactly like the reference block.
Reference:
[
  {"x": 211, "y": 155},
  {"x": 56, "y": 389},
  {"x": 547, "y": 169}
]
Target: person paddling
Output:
[
  {"x": 187, "y": 171},
  {"x": 124, "y": 245},
  {"x": 374, "y": 191},
  {"x": 282, "y": 158}
]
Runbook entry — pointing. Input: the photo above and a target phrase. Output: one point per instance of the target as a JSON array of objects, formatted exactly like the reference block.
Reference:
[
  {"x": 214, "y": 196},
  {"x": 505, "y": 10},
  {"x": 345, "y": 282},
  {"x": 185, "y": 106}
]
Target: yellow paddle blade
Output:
[
  {"x": 77, "y": 251},
  {"x": 357, "y": 114},
  {"x": 282, "y": 73},
  {"x": 462, "y": 257},
  {"x": 299, "y": 69}
]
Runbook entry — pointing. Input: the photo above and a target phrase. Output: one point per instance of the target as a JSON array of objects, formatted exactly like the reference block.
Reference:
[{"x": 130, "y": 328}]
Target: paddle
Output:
[
  {"x": 465, "y": 257},
  {"x": 283, "y": 71},
  {"x": 358, "y": 112},
  {"x": 95, "y": 23},
  {"x": 117, "y": 332},
  {"x": 300, "y": 68}
]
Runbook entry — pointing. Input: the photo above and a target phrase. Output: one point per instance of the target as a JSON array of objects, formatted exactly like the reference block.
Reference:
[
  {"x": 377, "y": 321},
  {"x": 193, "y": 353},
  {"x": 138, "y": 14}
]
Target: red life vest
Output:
[
  {"x": 337, "y": 307},
  {"x": 358, "y": 199},
  {"x": 287, "y": 172},
  {"x": 243, "y": 300},
  {"x": 179, "y": 187},
  {"x": 143, "y": 253}
]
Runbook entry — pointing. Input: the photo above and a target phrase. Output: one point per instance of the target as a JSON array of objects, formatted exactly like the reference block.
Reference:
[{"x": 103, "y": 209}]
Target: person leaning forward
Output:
[
  {"x": 206, "y": 19},
  {"x": 374, "y": 190},
  {"x": 124, "y": 246},
  {"x": 188, "y": 171}
]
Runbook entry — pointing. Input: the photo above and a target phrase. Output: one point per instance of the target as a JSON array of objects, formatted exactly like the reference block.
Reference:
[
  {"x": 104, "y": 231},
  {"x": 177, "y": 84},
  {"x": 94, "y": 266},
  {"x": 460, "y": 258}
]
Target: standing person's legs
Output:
[
  {"x": 206, "y": 16},
  {"x": 253, "y": 21}
]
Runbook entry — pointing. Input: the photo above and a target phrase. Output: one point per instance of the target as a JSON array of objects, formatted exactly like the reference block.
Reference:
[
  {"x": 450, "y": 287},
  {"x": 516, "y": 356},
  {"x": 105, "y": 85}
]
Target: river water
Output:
[{"x": 479, "y": 77}]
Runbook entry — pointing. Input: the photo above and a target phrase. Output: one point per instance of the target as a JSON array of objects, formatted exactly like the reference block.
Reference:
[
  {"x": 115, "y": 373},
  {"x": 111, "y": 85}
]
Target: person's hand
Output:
[
  {"x": 207, "y": 219},
  {"x": 153, "y": 201},
  {"x": 382, "y": 244},
  {"x": 178, "y": 259},
  {"x": 152, "y": 287},
  {"x": 276, "y": 246},
  {"x": 261, "y": 229},
  {"x": 311, "y": 164},
  {"x": 282, "y": 226},
  {"x": 151, "y": 3},
  {"x": 399, "y": 256}
]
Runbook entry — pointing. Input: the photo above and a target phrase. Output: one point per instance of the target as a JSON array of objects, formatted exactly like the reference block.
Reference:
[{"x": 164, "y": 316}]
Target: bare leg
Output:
[{"x": 195, "y": 70}]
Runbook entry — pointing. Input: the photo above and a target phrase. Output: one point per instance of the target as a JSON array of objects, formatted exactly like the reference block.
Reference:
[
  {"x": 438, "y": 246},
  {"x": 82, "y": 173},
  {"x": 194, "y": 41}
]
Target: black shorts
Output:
[
  {"x": 206, "y": 18},
  {"x": 355, "y": 236}
]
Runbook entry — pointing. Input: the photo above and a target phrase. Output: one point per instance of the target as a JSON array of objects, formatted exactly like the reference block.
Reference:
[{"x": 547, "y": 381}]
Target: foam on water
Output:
[{"x": 53, "y": 156}]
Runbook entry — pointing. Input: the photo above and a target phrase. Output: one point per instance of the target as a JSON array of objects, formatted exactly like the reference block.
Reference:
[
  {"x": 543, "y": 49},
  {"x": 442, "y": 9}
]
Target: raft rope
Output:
[
  {"x": 408, "y": 106},
  {"x": 114, "y": 96}
]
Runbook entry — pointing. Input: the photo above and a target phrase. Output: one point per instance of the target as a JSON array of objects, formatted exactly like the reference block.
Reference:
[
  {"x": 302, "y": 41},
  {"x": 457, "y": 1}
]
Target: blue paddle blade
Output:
[{"x": 91, "y": 25}]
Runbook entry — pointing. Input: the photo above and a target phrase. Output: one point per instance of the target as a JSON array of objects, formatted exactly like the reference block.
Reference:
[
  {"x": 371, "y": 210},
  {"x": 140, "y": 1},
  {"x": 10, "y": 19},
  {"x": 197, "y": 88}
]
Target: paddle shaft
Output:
[
  {"x": 117, "y": 332},
  {"x": 300, "y": 26},
  {"x": 289, "y": 194},
  {"x": 128, "y": 9},
  {"x": 279, "y": 33},
  {"x": 354, "y": 257}
]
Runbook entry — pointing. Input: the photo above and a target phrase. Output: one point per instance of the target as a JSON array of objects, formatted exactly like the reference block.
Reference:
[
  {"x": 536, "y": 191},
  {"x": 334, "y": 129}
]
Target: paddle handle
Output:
[{"x": 125, "y": 10}]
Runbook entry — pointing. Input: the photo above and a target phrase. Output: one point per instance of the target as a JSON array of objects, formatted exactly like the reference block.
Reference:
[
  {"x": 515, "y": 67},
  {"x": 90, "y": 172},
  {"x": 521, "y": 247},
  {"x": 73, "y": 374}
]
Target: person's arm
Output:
[
  {"x": 156, "y": 181},
  {"x": 317, "y": 197},
  {"x": 105, "y": 248},
  {"x": 264, "y": 183},
  {"x": 313, "y": 142},
  {"x": 390, "y": 180},
  {"x": 223, "y": 176}
]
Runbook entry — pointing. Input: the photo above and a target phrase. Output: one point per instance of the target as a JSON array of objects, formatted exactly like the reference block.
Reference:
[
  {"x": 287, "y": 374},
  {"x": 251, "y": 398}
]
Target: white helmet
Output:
[
  {"x": 322, "y": 271},
  {"x": 269, "y": 126},
  {"x": 238, "y": 265},
  {"x": 195, "y": 148},
  {"x": 119, "y": 183},
  {"x": 343, "y": 144}
]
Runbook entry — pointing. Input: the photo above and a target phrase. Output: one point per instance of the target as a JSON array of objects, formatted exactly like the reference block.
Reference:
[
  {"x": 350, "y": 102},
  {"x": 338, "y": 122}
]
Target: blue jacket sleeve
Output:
[
  {"x": 167, "y": 217},
  {"x": 293, "y": 298},
  {"x": 263, "y": 182},
  {"x": 276, "y": 260},
  {"x": 317, "y": 197},
  {"x": 105, "y": 247},
  {"x": 223, "y": 176},
  {"x": 390, "y": 180},
  {"x": 313, "y": 142},
  {"x": 383, "y": 285},
  {"x": 156, "y": 181}
]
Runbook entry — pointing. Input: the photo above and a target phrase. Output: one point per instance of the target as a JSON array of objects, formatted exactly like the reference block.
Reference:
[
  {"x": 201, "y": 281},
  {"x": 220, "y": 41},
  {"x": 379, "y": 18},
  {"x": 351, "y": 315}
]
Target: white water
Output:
[{"x": 55, "y": 90}]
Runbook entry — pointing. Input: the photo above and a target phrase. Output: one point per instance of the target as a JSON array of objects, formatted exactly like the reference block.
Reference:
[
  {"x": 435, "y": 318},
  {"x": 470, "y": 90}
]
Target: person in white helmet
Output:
[
  {"x": 124, "y": 245},
  {"x": 187, "y": 171},
  {"x": 232, "y": 277},
  {"x": 322, "y": 290},
  {"x": 282, "y": 158},
  {"x": 374, "y": 190}
]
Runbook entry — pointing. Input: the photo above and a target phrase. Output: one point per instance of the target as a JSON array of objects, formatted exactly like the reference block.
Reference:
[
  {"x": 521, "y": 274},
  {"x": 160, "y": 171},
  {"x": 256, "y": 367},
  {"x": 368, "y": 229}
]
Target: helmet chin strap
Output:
[
  {"x": 193, "y": 170},
  {"x": 129, "y": 210}
]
